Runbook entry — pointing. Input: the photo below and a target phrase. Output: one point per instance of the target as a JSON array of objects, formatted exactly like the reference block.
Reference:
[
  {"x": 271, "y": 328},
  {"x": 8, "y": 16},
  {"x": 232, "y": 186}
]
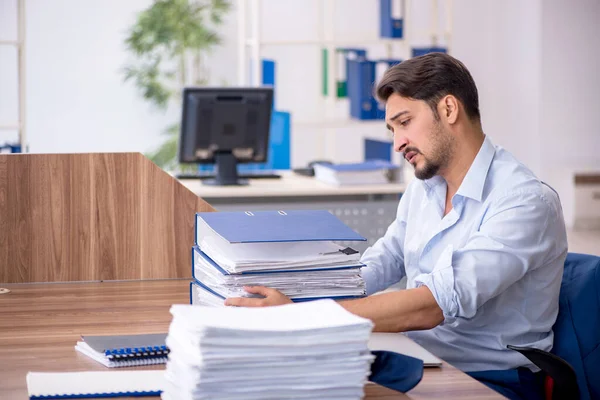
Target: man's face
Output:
[{"x": 423, "y": 140}]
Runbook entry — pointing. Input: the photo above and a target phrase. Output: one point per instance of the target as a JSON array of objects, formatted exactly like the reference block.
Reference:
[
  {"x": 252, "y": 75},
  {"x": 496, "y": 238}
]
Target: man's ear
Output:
[{"x": 448, "y": 109}]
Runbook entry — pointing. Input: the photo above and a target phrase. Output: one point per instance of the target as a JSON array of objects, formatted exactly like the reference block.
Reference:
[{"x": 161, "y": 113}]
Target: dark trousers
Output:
[{"x": 517, "y": 384}]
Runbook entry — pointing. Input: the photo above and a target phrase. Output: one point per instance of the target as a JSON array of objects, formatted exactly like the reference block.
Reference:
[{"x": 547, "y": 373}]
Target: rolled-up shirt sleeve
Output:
[
  {"x": 384, "y": 261},
  {"x": 518, "y": 234}
]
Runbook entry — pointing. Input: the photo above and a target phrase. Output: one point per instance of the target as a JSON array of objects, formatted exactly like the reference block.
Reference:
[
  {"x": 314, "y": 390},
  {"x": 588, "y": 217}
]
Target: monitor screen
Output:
[{"x": 231, "y": 121}]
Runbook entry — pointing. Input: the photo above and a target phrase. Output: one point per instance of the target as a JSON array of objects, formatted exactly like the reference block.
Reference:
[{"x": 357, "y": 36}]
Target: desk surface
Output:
[
  {"x": 41, "y": 323},
  {"x": 289, "y": 185}
]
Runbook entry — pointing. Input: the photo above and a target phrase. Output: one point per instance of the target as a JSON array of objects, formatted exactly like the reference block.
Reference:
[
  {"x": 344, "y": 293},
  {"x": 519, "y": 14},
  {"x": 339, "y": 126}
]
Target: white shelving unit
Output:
[
  {"x": 19, "y": 44},
  {"x": 251, "y": 47}
]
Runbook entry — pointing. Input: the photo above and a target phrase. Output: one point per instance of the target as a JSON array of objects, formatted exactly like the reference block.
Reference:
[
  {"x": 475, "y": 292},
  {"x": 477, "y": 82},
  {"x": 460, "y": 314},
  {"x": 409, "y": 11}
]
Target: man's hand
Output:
[{"x": 273, "y": 297}]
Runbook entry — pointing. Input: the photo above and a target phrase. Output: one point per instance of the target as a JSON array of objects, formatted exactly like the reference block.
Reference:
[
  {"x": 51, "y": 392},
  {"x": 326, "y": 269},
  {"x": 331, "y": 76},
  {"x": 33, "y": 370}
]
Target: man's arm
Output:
[
  {"x": 385, "y": 259},
  {"x": 521, "y": 233},
  {"x": 400, "y": 311}
]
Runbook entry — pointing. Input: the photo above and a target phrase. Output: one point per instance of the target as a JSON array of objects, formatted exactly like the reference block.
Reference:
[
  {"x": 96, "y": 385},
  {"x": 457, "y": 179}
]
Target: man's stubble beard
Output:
[{"x": 442, "y": 146}]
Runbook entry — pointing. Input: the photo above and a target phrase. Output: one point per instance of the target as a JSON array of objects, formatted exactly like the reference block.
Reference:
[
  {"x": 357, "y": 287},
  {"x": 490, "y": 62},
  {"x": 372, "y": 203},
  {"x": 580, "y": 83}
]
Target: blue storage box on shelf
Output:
[
  {"x": 268, "y": 75},
  {"x": 391, "y": 23},
  {"x": 380, "y": 67},
  {"x": 343, "y": 55},
  {"x": 361, "y": 77},
  {"x": 378, "y": 150},
  {"x": 10, "y": 148},
  {"x": 419, "y": 51}
]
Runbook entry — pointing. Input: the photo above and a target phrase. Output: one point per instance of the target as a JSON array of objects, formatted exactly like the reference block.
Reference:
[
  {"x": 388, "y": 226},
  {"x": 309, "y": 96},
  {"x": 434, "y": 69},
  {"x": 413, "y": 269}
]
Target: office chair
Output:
[{"x": 573, "y": 366}]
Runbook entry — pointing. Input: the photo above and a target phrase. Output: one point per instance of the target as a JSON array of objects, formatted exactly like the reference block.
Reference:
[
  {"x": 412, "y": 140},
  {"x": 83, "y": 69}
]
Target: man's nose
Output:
[{"x": 400, "y": 142}]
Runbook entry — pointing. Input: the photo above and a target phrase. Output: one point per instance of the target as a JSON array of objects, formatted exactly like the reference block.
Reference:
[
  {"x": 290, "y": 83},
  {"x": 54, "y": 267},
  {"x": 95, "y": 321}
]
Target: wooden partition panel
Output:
[{"x": 87, "y": 217}]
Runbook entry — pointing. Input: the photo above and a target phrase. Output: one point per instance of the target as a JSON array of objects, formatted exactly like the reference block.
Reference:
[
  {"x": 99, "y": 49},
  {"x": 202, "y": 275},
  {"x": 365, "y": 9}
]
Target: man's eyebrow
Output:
[
  {"x": 398, "y": 115},
  {"x": 394, "y": 117}
]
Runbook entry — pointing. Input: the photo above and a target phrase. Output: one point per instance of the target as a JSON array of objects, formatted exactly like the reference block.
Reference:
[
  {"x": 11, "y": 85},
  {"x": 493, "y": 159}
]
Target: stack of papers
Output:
[
  {"x": 339, "y": 280},
  {"x": 313, "y": 350},
  {"x": 293, "y": 252},
  {"x": 276, "y": 256}
]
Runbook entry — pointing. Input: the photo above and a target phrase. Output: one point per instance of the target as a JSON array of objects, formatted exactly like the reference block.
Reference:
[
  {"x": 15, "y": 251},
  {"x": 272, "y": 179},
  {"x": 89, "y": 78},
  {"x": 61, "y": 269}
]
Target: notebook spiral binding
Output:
[
  {"x": 138, "y": 362},
  {"x": 94, "y": 395},
  {"x": 137, "y": 353}
]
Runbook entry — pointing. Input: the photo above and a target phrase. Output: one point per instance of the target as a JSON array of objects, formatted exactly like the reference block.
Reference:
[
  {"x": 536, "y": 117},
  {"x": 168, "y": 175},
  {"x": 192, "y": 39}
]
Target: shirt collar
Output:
[
  {"x": 473, "y": 183},
  {"x": 474, "y": 180}
]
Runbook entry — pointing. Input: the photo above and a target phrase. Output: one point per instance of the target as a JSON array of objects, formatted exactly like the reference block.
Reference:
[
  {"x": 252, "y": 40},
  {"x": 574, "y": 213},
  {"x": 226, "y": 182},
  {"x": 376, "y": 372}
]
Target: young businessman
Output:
[{"x": 480, "y": 239}]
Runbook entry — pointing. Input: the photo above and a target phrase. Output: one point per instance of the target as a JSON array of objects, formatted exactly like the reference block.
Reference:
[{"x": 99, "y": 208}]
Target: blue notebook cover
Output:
[{"x": 278, "y": 226}]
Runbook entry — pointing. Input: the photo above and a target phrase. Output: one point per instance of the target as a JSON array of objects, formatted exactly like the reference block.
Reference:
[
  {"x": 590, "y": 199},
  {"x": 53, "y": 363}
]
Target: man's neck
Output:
[{"x": 464, "y": 155}]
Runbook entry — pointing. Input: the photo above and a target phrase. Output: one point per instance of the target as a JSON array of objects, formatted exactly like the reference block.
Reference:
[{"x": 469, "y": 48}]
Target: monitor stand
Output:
[{"x": 225, "y": 171}]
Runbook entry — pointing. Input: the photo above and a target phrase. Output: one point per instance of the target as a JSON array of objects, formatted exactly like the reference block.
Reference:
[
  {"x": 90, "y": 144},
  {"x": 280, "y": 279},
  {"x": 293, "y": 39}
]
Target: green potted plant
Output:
[{"x": 169, "y": 43}]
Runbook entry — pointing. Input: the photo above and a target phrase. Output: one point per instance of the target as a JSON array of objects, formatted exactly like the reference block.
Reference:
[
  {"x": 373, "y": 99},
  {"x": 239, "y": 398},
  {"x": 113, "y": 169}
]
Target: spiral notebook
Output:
[
  {"x": 94, "y": 384},
  {"x": 125, "y": 350}
]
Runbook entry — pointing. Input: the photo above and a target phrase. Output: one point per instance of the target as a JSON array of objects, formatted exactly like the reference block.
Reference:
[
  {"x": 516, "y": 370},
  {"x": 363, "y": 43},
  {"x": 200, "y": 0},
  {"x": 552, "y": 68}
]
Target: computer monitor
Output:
[{"x": 225, "y": 126}]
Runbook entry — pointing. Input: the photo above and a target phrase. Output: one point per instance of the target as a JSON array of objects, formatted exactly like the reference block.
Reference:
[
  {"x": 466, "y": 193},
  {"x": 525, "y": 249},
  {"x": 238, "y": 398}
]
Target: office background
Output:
[
  {"x": 534, "y": 61},
  {"x": 82, "y": 217}
]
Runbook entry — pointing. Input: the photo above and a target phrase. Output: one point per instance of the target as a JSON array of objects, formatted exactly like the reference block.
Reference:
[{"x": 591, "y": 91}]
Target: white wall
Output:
[
  {"x": 8, "y": 71},
  {"x": 76, "y": 98},
  {"x": 499, "y": 42},
  {"x": 569, "y": 100},
  {"x": 536, "y": 65}
]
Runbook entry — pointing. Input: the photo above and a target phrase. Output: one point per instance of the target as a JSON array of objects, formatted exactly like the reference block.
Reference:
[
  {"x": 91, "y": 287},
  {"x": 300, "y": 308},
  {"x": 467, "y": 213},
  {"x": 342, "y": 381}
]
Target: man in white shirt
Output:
[{"x": 480, "y": 239}]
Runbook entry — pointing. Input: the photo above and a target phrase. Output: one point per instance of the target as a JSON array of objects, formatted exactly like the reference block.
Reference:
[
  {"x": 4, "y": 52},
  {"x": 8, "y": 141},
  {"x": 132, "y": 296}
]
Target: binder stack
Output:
[
  {"x": 291, "y": 251},
  {"x": 313, "y": 350}
]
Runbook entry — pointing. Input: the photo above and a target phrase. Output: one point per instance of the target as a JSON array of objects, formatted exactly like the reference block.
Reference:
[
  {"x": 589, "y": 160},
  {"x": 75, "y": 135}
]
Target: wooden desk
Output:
[{"x": 41, "y": 323}]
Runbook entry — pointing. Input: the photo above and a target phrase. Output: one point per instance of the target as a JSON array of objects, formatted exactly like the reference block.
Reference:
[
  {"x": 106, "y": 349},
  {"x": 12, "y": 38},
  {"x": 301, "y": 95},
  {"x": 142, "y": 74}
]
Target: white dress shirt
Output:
[{"x": 494, "y": 263}]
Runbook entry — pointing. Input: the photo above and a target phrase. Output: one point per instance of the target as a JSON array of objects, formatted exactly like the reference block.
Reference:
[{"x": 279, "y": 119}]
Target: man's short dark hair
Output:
[{"x": 429, "y": 78}]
